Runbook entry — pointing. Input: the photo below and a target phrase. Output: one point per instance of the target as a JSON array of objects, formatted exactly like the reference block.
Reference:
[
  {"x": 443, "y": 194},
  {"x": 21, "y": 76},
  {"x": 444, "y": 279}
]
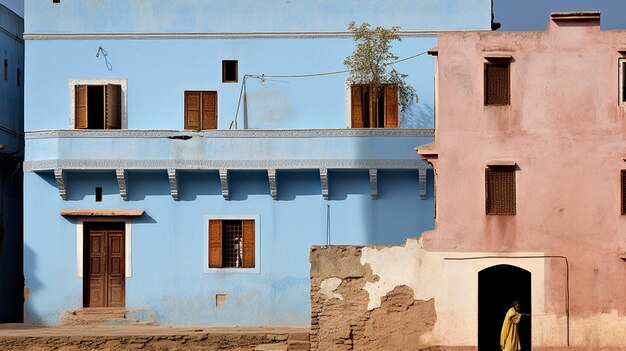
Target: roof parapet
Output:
[{"x": 574, "y": 19}]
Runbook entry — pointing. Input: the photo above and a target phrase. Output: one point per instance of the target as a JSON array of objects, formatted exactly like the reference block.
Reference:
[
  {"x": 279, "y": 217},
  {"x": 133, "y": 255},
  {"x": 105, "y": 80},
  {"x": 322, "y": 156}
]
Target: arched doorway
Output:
[{"x": 498, "y": 287}]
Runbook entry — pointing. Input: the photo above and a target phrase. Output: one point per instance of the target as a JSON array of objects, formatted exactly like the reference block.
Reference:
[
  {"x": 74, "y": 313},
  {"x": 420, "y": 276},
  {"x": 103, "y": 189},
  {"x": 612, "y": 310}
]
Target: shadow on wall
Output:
[
  {"x": 418, "y": 116},
  {"x": 32, "y": 285}
]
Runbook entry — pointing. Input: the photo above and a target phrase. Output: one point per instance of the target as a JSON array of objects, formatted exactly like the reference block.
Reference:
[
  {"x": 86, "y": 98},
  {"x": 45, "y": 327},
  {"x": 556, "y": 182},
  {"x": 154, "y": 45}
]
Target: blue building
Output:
[
  {"x": 11, "y": 157},
  {"x": 183, "y": 156}
]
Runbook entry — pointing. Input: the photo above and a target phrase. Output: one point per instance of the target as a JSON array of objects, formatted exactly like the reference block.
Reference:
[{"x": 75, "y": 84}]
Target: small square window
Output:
[
  {"x": 229, "y": 71},
  {"x": 231, "y": 243},
  {"x": 56, "y": 1},
  {"x": 497, "y": 83},
  {"x": 500, "y": 190}
]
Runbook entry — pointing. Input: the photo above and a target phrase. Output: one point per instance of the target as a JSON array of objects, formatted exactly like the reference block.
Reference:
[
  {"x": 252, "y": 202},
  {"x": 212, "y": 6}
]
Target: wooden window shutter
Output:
[
  {"x": 391, "y": 106},
  {"x": 248, "y": 243},
  {"x": 192, "y": 110},
  {"x": 500, "y": 190},
  {"x": 80, "y": 108},
  {"x": 112, "y": 110},
  {"x": 623, "y": 191},
  {"x": 356, "y": 100},
  {"x": 497, "y": 84},
  {"x": 209, "y": 110},
  {"x": 215, "y": 243}
]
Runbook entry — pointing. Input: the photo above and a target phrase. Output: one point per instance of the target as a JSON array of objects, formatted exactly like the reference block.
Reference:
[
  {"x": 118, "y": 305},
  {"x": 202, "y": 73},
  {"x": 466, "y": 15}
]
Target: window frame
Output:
[
  {"x": 350, "y": 111},
  {"x": 257, "y": 243},
  {"x": 123, "y": 100},
  {"x": 494, "y": 62},
  {"x": 513, "y": 170},
  {"x": 621, "y": 71},
  {"x": 224, "y": 63},
  {"x": 623, "y": 191}
]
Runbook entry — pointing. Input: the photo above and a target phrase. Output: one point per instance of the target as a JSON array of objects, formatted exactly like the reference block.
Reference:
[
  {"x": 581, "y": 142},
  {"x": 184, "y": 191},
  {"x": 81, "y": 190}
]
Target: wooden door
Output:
[{"x": 104, "y": 281}]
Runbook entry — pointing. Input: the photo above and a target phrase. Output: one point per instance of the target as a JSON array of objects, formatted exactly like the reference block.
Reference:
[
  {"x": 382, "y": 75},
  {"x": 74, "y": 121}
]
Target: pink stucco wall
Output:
[{"x": 564, "y": 128}]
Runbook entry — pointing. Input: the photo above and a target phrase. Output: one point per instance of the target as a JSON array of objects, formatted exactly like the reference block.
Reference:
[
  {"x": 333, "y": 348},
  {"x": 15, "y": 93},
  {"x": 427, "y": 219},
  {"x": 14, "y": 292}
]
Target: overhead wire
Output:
[{"x": 262, "y": 78}]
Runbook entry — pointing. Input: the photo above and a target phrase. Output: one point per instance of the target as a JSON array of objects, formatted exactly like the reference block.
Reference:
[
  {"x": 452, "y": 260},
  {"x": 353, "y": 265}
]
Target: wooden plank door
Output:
[{"x": 104, "y": 282}]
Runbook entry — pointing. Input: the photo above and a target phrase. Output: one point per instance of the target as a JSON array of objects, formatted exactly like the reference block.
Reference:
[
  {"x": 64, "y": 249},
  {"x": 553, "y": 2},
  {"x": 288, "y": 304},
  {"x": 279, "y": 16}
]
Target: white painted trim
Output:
[
  {"x": 127, "y": 244},
  {"x": 119, "y": 81},
  {"x": 257, "y": 244},
  {"x": 217, "y": 35}
]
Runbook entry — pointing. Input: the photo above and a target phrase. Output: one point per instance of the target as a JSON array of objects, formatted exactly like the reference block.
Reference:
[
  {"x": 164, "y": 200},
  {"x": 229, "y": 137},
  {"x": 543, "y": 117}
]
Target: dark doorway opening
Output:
[
  {"x": 95, "y": 113},
  {"x": 104, "y": 277},
  {"x": 498, "y": 287}
]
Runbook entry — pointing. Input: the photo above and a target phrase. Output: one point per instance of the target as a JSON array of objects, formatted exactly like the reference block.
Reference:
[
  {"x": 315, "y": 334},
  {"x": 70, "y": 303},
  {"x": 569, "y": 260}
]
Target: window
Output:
[
  {"x": 623, "y": 191},
  {"x": 374, "y": 113},
  {"x": 19, "y": 77},
  {"x": 231, "y": 243},
  {"x": 97, "y": 106},
  {"x": 500, "y": 190},
  {"x": 200, "y": 110},
  {"x": 622, "y": 81},
  {"x": 497, "y": 83},
  {"x": 6, "y": 69},
  {"x": 56, "y": 1},
  {"x": 229, "y": 71}
]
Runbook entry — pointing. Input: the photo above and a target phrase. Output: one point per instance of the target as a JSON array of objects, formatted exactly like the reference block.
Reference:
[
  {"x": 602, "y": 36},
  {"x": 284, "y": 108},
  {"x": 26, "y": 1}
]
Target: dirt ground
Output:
[{"x": 20, "y": 337}]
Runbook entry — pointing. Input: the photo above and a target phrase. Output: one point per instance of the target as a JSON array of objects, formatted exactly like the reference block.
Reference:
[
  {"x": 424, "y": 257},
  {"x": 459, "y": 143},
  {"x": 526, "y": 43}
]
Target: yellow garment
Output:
[{"x": 509, "y": 338}]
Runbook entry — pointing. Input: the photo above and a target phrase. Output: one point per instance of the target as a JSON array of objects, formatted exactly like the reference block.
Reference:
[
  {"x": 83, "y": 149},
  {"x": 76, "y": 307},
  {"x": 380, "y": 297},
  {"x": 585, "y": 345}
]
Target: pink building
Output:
[
  {"x": 530, "y": 176},
  {"x": 530, "y": 205}
]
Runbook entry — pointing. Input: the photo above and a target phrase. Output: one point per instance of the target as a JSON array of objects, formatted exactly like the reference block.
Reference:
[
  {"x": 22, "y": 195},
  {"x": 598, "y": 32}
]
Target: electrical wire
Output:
[{"x": 262, "y": 77}]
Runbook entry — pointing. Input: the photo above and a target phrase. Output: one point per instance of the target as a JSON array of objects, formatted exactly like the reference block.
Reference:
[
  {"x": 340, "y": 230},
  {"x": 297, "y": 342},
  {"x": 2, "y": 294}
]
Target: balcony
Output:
[{"x": 172, "y": 151}]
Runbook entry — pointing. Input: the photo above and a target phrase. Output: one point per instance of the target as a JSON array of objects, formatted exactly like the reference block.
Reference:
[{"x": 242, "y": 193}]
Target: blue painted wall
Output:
[
  {"x": 11, "y": 156},
  {"x": 162, "y": 48}
]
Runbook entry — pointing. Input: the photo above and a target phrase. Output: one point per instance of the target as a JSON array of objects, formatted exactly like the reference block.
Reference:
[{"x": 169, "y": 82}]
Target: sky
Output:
[
  {"x": 522, "y": 15},
  {"x": 514, "y": 15}
]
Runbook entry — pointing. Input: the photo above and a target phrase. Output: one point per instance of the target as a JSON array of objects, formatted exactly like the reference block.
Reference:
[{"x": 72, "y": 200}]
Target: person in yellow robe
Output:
[{"x": 509, "y": 337}]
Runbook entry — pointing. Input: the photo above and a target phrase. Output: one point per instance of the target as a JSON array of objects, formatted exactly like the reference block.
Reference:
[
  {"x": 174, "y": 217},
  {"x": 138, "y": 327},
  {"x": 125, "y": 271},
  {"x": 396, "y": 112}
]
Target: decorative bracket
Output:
[
  {"x": 271, "y": 175},
  {"x": 324, "y": 180},
  {"x": 374, "y": 183},
  {"x": 171, "y": 175},
  {"x": 120, "y": 174},
  {"x": 224, "y": 182},
  {"x": 59, "y": 175},
  {"x": 422, "y": 182}
]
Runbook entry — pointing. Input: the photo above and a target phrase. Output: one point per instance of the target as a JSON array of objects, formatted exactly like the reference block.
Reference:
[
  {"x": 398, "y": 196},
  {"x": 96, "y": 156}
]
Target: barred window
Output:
[
  {"x": 497, "y": 83},
  {"x": 231, "y": 243},
  {"x": 500, "y": 190},
  {"x": 623, "y": 191}
]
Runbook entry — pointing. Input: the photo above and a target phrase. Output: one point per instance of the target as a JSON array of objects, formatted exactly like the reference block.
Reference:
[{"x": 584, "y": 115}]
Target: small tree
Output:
[{"x": 371, "y": 65}]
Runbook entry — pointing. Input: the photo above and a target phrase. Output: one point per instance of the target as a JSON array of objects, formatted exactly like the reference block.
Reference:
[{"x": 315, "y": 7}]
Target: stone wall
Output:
[{"x": 340, "y": 317}]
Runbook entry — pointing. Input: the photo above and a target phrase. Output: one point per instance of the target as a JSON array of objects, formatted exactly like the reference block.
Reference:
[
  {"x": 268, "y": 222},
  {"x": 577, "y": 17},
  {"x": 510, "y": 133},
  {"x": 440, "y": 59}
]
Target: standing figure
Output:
[{"x": 509, "y": 337}]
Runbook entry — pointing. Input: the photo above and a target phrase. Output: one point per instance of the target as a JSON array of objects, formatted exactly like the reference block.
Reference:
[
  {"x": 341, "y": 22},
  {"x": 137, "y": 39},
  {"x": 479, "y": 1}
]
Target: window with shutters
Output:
[
  {"x": 98, "y": 103},
  {"x": 623, "y": 191},
  {"x": 500, "y": 190},
  {"x": 497, "y": 83},
  {"x": 200, "y": 110},
  {"x": 367, "y": 112},
  {"x": 231, "y": 243}
]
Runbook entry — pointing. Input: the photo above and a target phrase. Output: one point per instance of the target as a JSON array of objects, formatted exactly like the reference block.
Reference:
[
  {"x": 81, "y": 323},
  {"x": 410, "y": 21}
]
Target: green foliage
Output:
[{"x": 372, "y": 60}]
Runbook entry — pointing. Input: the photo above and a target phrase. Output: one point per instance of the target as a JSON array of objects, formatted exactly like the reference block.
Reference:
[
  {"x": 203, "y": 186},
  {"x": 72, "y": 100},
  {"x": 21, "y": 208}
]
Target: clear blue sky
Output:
[
  {"x": 515, "y": 15},
  {"x": 521, "y": 15}
]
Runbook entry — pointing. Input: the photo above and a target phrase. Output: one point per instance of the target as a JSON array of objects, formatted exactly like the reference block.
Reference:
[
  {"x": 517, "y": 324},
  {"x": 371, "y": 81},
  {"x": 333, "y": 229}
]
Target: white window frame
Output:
[
  {"x": 72, "y": 92},
  {"x": 80, "y": 236},
  {"x": 257, "y": 244}
]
